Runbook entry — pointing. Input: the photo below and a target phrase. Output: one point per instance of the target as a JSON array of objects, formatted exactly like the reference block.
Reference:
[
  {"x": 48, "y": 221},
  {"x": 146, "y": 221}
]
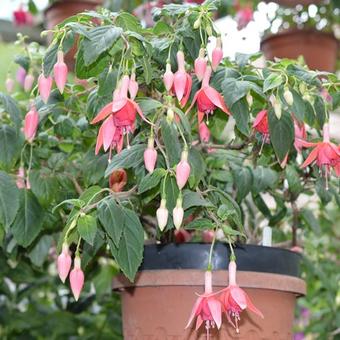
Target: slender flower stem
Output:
[
  {"x": 232, "y": 255},
  {"x": 78, "y": 246},
  {"x": 182, "y": 135},
  {"x": 30, "y": 161},
  {"x": 210, "y": 253}
]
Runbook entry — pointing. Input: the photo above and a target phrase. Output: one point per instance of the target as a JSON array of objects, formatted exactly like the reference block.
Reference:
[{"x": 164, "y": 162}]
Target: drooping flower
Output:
[
  {"x": 207, "y": 308},
  {"x": 77, "y": 278},
  {"x": 9, "y": 85},
  {"x": 217, "y": 54},
  {"x": 31, "y": 124},
  {"x": 183, "y": 170},
  {"x": 178, "y": 213},
  {"x": 20, "y": 182},
  {"x": 28, "y": 82},
  {"x": 44, "y": 87},
  {"x": 133, "y": 86},
  {"x": 300, "y": 134},
  {"x": 288, "y": 96},
  {"x": 204, "y": 132},
  {"x": 337, "y": 165},
  {"x": 261, "y": 125},
  {"x": 150, "y": 156},
  {"x": 182, "y": 81},
  {"x": 325, "y": 154},
  {"x": 200, "y": 65},
  {"x": 244, "y": 16},
  {"x": 118, "y": 180},
  {"x": 22, "y": 17},
  {"x": 162, "y": 215},
  {"x": 64, "y": 263},
  {"x": 208, "y": 99},
  {"x": 168, "y": 77},
  {"x": 21, "y": 75},
  {"x": 234, "y": 299},
  {"x": 182, "y": 235},
  {"x": 60, "y": 72}
]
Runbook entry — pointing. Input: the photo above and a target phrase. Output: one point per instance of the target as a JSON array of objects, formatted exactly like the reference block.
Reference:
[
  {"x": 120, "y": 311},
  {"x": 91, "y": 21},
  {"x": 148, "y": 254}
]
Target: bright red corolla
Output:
[
  {"x": 234, "y": 299},
  {"x": 207, "y": 307}
]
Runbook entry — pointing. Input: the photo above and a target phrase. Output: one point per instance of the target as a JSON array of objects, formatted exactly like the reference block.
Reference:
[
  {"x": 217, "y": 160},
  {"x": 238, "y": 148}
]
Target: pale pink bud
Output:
[
  {"x": 326, "y": 138},
  {"x": 168, "y": 77},
  {"x": 20, "y": 182},
  {"x": 9, "y": 85},
  {"x": 232, "y": 272},
  {"x": 208, "y": 282},
  {"x": 217, "y": 54},
  {"x": 180, "y": 78},
  {"x": 206, "y": 77},
  {"x": 178, "y": 213},
  {"x": 64, "y": 263},
  {"x": 28, "y": 183},
  {"x": 28, "y": 83},
  {"x": 200, "y": 65},
  {"x": 44, "y": 87},
  {"x": 60, "y": 72},
  {"x": 208, "y": 236},
  {"x": 133, "y": 86},
  {"x": 31, "y": 124},
  {"x": 150, "y": 156},
  {"x": 182, "y": 170},
  {"x": 204, "y": 132},
  {"x": 162, "y": 215},
  {"x": 124, "y": 87},
  {"x": 76, "y": 278}
]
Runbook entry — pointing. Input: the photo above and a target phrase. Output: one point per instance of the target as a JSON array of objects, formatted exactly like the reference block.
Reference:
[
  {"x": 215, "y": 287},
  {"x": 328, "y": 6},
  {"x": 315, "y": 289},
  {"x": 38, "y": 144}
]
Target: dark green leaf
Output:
[
  {"x": 194, "y": 199},
  {"x": 234, "y": 90},
  {"x": 148, "y": 105},
  {"x": 11, "y": 106},
  {"x": 273, "y": 81},
  {"x": 241, "y": 115},
  {"x": 171, "y": 142},
  {"x": 87, "y": 228},
  {"x": 307, "y": 76},
  {"x": 264, "y": 178},
  {"x": 11, "y": 144},
  {"x": 298, "y": 106},
  {"x": 243, "y": 180},
  {"x": 151, "y": 180},
  {"x": 197, "y": 166},
  {"x": 40, "y": 251},
  {"x": 147, "y": 69},
  {"x": 200, "y": 224}
]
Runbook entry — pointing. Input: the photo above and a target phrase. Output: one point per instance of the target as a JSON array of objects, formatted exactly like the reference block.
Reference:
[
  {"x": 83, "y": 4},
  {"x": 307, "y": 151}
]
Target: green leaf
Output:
[
  {"x": 100, "y": 40},
  {"x": 200, "y": 224},
  {"x": 234, "y": 90},
  {"x": 198, "y": 167},
  {"x": 194, "y": 199},
  {"x": 294, "y": 181},
  {"x": 9, "y": 200},
  {"x": 264, "y": 178},
  {"x": 147, "y": 69},
  {"x": 103, "y": 280},
  {"x": 148, "y": 105},
  {"x": 171, "y": 192},
  {"x": 243, "y": 180},
  {"x": 320, "y": 110},
  {"x": 107, "y": 82},
  {"x": 87, "y": 228},
  {"x": 298, "y": 106},
  {"x": 162, "y": 28},
  {"x": 273, "y": 81},
  {"x": 281, "y": 133},
  {"x": 50, "y": 59},
  {"x": 261, "y": 205},
  {"x": 111, "y": 216},
  {"x": 11, "y": 145},
  {"x": 78, "y": 28},
  {"x": 29, "y": 219},
  {"x": 40, "y": 251},
  {"x": 11, "y": 106},
  {"x": 240, "y": 113},
  {"x": 151, "y": 180},
  {"x": 171, "y": 142},
  {"x": 128, "y": 158},
  {"x": 129, "y": 253},
  {"x": 307, "y": 76}
]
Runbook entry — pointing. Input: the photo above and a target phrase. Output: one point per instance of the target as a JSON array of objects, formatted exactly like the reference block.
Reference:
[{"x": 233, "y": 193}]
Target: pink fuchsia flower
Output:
[
  {"x": 21, "y": 75},
  {"x": 300, "y": 134},
  {"x": 234, "y": 299},
  {"x": 20, "y": 182},
  {"x": 9, "y": 85},
  {"x": 64, "y": 263},
  {"x": 60, "y": 72},
  {"x": 217, "y": 54},
  {"x": 261, "y": 125},
  {"x": 162, "y": 214},
  {"x": 204, "y": 132},
  {"x": 182, "y": 236},
  {"x": 207, "y": 308},
  {"x": 326, "y": 96},
  {"x": 28, "y": 82},
  {"x": 200, "y": 65},
  {"x": 182, "y": 81},
  {"x": 207, "y": 98},
  {"x": 31, "y": 124},
  {"x": 150, "y": 156},
  {"x": 44, "y": 87},
  {"x": 22, "y": 17},
  {"x": 324, "y": 154},
  {"x": 168, "y": 77},
  {"x": 244, "y": 16},
  {"x": 337, "y": 165},
  {"x": 178, "y": 213},
  {"x": 133, "y": 86},
  {"x": 77, "y": 278},
  {"x": 118, "y": 180},
  {"x": 183, "y": 170},
  {"x": 208, "y": 236}
]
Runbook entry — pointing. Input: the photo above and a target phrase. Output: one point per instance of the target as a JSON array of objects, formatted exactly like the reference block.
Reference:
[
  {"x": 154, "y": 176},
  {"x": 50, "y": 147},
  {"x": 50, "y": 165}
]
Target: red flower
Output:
[
  {"x": 261, "y": 123},
  {"x": 208, "y": 99},
  {"x": 22, "y": 17},
  {"x": 244, "y": 16},
  {"x": 118, "y": 180}
]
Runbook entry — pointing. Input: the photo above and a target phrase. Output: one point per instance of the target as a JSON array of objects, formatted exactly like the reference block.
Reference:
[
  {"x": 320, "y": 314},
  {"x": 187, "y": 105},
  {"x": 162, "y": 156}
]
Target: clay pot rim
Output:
[
  {"x": 303, "y": 31},
  {"x": 57, "y": 3}
]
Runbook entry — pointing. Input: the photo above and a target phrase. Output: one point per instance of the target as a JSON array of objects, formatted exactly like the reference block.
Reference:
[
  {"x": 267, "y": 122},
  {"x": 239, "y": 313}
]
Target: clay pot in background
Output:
[
  {"x": 293, "y": 3},
  {"x": 319, "y": 49},
  {"x": 61, "y": 10},
  {"x": 158, "y": 304}
]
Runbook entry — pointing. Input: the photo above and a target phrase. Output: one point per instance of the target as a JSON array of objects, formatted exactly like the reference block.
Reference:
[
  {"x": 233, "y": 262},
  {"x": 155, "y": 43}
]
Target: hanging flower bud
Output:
[
  {"x": 76, "y": 278},
  {"x": 197, "y": 23},
  {"x": 60, "y": 72},
  {"x": 170, "y": 115},
  {"x": 9, "y": 85},
  {"x": 44, "y": 87},
  {"x": 64, "y": 262},
  {"x": 31, "y": 124},
  {"x": 182, "y": 81},
  {"x": 278, "y": 109},
  {"x": 150, "y": 156},
  {"x": 162, "y": 215},
  {"x": 133, "y": 86},
  {"x": 168, "y": 77},
  {"x": 21, "y": 75},
  {"x": 178, "y": 213},
  {"x": 183, "y": 170},
  {"x": 208, "y": 29},
  {"x": 288, "y": 96},
  {"x": 28, "y": 83},
  {"x": 204, "y": 132},
  {"x": 20, "y": 182},
  {"x": 118, "y": 180},
  {"x": 249, "y": 98},
  {"x": 200, "y": 65},
  {"x": 217, "y": 54}
]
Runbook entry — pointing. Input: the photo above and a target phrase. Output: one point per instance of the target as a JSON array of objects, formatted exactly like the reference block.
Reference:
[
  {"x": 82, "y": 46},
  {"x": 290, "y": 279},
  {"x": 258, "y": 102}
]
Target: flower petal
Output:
[
  {"x": 311, "y": 157},
  {"x": 251, "y": 306},
  {"x": 109, "y": 130},
  {"x": 238, "y": 296},
  {"x": 216, "y": 98},
  {"x": 193, "y": 312},
  {"x": 119, "y": 104},
  {"x": 199, "y": 322},
  {"x": 99, "y": 140},
  {"x": 216, "y": 311},
  {"x": 187, "y": 91},
  {"x": 104, "y": 112},
  {"x": 193, "y": 101}
]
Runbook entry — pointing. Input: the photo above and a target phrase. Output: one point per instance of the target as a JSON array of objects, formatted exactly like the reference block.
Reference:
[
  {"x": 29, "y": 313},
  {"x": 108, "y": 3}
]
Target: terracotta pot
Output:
[
  {"x": 319, "y": 49},
  {"x": 61, "y": 10},
  {"x": 293, "y": 3},
  {"x": 157, "y": 306}
]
